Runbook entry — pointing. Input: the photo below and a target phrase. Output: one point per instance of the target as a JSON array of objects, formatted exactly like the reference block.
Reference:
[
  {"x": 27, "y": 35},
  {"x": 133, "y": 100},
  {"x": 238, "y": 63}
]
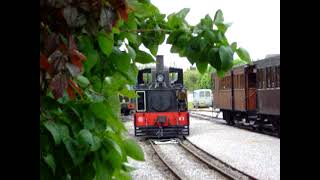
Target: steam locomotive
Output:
[{"x": 161, "y": 105}]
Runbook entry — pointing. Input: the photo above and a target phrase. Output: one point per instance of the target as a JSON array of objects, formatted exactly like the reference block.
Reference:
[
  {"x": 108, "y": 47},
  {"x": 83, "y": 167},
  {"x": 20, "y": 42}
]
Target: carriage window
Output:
[
  {"x": 173, "y": 77},
  {"x": 260, "y": 79},
  {"x": 201, "y": 93},
  {"x": 274, "y": 77},
  {"x": 268, "y": 77},
  {"x": 227, "y": 83},
  {"x": 242, "y": 82},
  {"x": 278, "y": 76},
  {"x": 207, "y": 93},
  {"x": 222, "y": 80},
  {"x": 147, "y": 78},
  {"x": 237, "y": 83}
]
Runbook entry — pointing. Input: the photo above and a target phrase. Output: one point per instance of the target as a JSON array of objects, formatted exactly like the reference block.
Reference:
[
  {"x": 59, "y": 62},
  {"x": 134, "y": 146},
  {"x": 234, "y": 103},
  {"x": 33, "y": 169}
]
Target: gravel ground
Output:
[
  {"x": 152, "y": 167},
  {"x": 187, "y": 164},
  {"x": 255, "y": 154}
]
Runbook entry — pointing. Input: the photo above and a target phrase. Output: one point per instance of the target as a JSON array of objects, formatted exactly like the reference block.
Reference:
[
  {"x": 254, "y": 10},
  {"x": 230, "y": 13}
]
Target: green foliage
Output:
[
  {"x": 143, "y": 57},
  {"x": 133, "y": 149},
  {"x": 105, "y": 42},
  {"x": 193, "y": 79},
  {"x": 83, "y": 71},
  {"x": 243, "y": 54}
]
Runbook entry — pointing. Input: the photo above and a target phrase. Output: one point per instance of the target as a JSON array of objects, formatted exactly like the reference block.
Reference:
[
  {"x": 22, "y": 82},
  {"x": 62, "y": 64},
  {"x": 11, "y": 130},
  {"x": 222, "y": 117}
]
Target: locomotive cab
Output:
[{"x": 161, "y": 105}]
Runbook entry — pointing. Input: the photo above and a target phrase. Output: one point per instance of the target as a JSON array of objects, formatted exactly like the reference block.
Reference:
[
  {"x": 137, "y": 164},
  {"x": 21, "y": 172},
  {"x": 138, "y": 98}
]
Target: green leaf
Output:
[
  {"x": 174, "y": 36},
  {"x": 220, "y": 73},
  {"x": 133, "y": 150},
  {"x": 100, "y": 110},
  {"x": 209, "y": 35},
  {"x": 53, "y": 128},
  {"x": 114, "y": 154},
  {"x": 105, "y": 42},
  {"x": 115, "y": 30},
  {"x": 83, "y": 81},
  {"x": 94, "y": 96},
  {"x": 226, "y": 56},
  {"x": 124, "y": 176},
  {"x": 49, "y": 159},
  {"x": 176, "y": 20},
  {"x": 214, "y": 58},
  {"x": 132, "y": 52},
  {"x": 131, "y": 22},
  {"x": 142, "y": 10},
  {"x": 132, "y": 37},
  {"x": 77, "y": 154},
  {"x": 143, "y": 57},
  {"x": 114, "y": 103},
  {"x": 89, "y": 120},
  {"x": 85, "y": 43},
  {"x": 86, "y": 46},
  {"x": 102, "y": 169},
  {"x": 86, "y": 137},
  {"x": 205, "y": 24},
  {"x": 223, "y": 27},
  {"x": 92, "y": 59},
  {"x": 132, "y": 74},
  {"x": 202, "y": 67},
  {"x": 128, "y": 167},
  {"x": 238, "y": 62},
  {"x": 234, "y": 46},
  {"x": 120, "y": 59},
  {"x": 96, "y": 143},
  {"x": 153, "y": 49},
  {"x": 126, "y": 91},
  {"x": 218, "y": 17},
  {"x": 243, "y": 54}
]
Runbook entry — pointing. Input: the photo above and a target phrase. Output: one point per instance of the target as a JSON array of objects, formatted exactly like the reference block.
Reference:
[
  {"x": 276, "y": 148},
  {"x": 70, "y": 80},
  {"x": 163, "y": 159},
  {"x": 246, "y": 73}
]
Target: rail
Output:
[{"x": 213, "y": 162}]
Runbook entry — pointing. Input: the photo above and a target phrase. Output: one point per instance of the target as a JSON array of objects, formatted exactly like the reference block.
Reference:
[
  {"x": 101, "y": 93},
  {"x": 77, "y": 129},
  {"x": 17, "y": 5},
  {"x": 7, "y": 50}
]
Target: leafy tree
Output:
[
  {"x": 194, "y": 80},
  {"x": 84, "y": 68},
  {"x": 190, "y": 78}
]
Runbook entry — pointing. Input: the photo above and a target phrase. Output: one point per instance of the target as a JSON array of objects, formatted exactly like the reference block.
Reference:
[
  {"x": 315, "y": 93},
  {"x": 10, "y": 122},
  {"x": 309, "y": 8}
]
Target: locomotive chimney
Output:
[{"x": 160, "y": 65}]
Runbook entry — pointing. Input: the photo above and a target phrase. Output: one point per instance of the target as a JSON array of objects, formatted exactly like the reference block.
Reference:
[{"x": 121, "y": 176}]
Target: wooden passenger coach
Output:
[{"x": 250, "y": 93}]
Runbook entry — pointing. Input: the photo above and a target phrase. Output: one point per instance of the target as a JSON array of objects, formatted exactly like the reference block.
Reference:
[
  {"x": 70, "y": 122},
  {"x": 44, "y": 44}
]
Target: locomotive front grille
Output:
[{"x": 170, "y": 131}]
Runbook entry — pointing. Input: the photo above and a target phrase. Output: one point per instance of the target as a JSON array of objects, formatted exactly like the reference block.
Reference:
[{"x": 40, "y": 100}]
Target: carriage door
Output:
[{"x": 251, "y": 88}]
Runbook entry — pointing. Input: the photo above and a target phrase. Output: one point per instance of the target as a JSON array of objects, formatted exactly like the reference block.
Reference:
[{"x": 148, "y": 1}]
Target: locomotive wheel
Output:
[
  {"x": 276, "y": 124},
  {"x": 228, "y": 117}
]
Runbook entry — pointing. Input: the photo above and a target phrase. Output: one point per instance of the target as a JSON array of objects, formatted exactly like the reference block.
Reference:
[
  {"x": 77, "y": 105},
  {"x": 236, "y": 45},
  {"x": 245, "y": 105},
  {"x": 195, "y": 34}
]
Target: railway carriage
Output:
[
  {"x": 161, "y": 105},
  {"x": 250, "y": 94}
]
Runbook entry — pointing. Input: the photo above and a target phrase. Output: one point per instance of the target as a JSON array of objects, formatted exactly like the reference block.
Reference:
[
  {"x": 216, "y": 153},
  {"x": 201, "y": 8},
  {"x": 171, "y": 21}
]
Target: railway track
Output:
[
  {"x": 265, "y": 131},
  {"x": 220, "y": 169}
]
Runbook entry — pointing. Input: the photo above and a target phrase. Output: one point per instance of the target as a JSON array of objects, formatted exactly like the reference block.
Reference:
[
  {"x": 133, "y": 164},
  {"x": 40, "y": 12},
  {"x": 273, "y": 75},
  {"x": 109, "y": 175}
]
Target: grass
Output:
[{"x": 190, "y": 106}]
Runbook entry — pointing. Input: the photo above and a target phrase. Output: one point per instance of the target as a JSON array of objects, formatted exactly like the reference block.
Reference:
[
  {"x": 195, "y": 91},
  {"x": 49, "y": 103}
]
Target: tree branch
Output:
[{"x": 146, "y": 30}]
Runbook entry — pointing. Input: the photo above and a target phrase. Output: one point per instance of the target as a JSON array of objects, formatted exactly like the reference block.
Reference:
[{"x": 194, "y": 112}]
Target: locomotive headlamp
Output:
[{"x": 160, "y": 77}]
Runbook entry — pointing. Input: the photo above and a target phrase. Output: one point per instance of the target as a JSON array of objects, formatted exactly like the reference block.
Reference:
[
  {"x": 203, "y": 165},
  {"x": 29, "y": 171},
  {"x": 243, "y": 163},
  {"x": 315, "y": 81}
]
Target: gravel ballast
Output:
[
  {"x": 255, "y": 154},
  {"x": 184, "y": 162},
  {"x": 152, "y": 167}
]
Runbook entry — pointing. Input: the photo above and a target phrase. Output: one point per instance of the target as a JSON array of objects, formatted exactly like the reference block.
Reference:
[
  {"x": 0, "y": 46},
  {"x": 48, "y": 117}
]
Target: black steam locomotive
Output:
[{"x": 161, "y": 105}]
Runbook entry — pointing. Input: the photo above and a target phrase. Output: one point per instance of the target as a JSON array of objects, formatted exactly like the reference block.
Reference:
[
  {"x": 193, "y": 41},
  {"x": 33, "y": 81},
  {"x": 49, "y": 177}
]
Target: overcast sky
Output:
[{"x": 255, "y": 24}]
